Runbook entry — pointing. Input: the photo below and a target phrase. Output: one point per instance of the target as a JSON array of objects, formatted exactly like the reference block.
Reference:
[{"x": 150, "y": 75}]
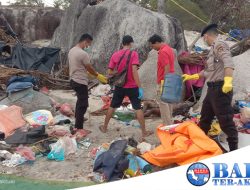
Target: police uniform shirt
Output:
[{"x": 218, "y": 59}]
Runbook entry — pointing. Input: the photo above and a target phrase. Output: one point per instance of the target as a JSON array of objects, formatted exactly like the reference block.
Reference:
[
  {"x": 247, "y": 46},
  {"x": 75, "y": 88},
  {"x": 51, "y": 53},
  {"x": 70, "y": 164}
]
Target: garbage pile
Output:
[
  {"x": 33, "y": 125},
  {"x": 242, "y": 121},
  {"x": 181, "y": 143},
  {"x": 37, "y": 134},
  {"x": 125, "y": 158}
]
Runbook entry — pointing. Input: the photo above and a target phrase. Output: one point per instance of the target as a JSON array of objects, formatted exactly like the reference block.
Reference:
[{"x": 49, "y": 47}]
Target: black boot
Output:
[
  {"x": 233, "y": 146},
  {"x": 216, "y": 138}
]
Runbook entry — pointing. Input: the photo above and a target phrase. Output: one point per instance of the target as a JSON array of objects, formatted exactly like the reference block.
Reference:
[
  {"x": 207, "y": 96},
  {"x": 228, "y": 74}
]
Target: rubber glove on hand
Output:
[
  {"x": 186, "y": 77},
  {"x": 162, "y": 83},
  {"x": 228, "y": 85},
  {"x": 141, "y": 93},
  {"x": 102, "y": 78}
]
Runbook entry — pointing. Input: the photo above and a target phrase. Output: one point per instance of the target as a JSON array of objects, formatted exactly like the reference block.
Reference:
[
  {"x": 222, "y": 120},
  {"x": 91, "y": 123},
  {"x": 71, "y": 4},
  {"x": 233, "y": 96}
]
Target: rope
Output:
[{"x": 200, "y": 19}]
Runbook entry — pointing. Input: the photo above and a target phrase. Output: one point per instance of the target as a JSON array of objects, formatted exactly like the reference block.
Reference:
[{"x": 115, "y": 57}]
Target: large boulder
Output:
[
  {"x": 241, "y": 76},
  {"x": 109, "y": 21},
  {"x": 31, "y": 23}
]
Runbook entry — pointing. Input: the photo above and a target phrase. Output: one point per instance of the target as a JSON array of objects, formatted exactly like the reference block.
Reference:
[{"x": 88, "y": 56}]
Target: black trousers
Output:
[
  {"x": 81, "y": 103},
  {"x": 218, "y": 104}
]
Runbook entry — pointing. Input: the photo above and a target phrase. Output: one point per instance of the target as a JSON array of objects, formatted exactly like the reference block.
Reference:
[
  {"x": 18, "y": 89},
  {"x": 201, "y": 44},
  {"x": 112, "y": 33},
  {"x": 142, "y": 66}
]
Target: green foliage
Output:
[
  {"x": 188, "y": 21},
  {"x": 28, "y": 2},
  {"x": 150, "y": 4},
  {"x": 62, "y": 4}
]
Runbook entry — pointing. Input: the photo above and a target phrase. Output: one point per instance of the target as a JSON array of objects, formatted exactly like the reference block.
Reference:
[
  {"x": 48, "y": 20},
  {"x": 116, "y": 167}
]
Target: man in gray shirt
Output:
[{"x": 79, "y": 67}]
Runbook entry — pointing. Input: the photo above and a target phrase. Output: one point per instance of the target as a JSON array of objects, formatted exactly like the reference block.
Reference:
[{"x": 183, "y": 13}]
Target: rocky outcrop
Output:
[
  {"x": 32, "y": 23},
  {"x": 109, "y": 21}
]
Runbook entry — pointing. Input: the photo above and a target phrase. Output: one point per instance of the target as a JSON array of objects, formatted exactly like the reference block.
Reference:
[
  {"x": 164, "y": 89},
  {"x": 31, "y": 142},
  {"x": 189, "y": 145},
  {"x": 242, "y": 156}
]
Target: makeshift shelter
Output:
[
  {"x": 22, "y": 56},
  {"x": 29, "y": 58}
]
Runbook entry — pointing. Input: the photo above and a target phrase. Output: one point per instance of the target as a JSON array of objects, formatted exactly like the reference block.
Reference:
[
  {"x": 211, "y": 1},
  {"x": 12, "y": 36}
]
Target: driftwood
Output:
[
  {"x": 44, "y": 79},
  {"x": 192, "y": 59},
  {"x": 6, "y": 38},
  {"x": 196, "y": 58},
  {"x": 240, "y": 47}
]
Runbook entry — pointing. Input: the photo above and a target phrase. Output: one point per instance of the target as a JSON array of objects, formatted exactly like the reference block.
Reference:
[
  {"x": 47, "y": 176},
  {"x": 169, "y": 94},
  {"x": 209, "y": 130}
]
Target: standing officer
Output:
[{"x": 218, "y": 73}]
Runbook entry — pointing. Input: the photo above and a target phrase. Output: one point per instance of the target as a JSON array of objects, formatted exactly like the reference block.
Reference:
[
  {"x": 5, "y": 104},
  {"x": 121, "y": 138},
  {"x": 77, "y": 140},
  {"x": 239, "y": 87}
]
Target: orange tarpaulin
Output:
[
  {"x": 186, "y": 143},
  {"x": 10, "y": 119}
]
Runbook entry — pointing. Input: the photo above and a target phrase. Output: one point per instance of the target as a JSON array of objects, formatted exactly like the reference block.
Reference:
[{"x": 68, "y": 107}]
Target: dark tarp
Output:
[
  {"x": 29, "y": 58},
  {"x": 41, "y": 59},
  {"x": 4, "y": 48},
  {"x": 31, "y": 136},
  {"x": 113, "y": 162}
]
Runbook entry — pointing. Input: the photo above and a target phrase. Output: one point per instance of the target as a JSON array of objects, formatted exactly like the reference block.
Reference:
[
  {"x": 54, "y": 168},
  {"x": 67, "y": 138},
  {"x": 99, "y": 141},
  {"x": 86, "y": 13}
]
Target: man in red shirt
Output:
[
  {"x": 132, "y": 87},
  {"x": 165, "y": 65}
]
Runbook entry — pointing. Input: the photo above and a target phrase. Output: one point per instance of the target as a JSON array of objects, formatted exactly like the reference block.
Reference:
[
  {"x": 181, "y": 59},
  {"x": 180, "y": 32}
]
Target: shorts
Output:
[{"x": 120, "y": 93}]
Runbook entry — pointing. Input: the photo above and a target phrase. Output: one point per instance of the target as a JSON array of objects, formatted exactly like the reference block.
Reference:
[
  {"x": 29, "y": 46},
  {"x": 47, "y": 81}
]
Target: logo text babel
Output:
[{"x": 236, "y": 175}]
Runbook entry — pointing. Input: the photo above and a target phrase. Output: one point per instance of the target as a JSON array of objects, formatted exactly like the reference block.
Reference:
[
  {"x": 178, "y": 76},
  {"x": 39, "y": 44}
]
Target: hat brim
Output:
[{"x": 208, "y": 28}]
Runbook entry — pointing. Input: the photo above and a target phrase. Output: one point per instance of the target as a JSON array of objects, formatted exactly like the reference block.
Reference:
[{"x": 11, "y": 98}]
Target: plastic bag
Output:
[
  {"x": 16, "y": 159},
  {"x": 26, "y": 152},
  {"x": 57, "y": 151},
  {"x": 144, "y": 147},
  {"x": 62, "y": 148},
  {"x": 245, "y": 115},
  {"x": 70, "y": 145},
  {"x": 5, "y": 154},
  {"x": 66, "y": 109},
  {"x": 101, "y": 90}
]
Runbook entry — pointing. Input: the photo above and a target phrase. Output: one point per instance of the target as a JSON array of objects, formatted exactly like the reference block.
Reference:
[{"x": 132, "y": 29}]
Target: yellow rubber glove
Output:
[
  {"x": 161, "y": 88},
  {"x": 228, "y": 85},
  {"x": 186, "y": 77},
  {"x": 102, "y": 78}
]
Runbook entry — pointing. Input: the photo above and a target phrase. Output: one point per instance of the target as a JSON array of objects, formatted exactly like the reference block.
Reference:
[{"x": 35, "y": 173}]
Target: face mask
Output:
[{"x": 87, "y": 49}]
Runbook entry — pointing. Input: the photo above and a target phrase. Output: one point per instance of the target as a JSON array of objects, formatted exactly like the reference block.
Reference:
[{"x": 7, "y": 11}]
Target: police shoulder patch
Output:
[{"x": 220, "y": 48}]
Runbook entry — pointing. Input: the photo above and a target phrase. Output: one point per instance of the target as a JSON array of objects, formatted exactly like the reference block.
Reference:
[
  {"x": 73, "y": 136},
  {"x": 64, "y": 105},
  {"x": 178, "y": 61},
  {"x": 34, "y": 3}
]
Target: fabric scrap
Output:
[
  {"x": 26, "y": 152},
  {"x": 11, "y": 119},
  {"x": 39, "y": 118}
]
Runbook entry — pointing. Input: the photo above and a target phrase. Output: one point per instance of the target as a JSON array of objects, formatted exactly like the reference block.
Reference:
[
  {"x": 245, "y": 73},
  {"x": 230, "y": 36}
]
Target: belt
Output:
[{"x": 215, "y": 84}]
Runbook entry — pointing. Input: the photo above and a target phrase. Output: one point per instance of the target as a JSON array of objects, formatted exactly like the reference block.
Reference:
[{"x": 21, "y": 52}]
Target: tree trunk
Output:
[{"x": 161, "y": 4}]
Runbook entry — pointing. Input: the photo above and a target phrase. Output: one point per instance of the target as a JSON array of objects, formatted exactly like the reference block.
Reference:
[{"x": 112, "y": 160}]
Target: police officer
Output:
[{"x": 218, "y": 73}]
